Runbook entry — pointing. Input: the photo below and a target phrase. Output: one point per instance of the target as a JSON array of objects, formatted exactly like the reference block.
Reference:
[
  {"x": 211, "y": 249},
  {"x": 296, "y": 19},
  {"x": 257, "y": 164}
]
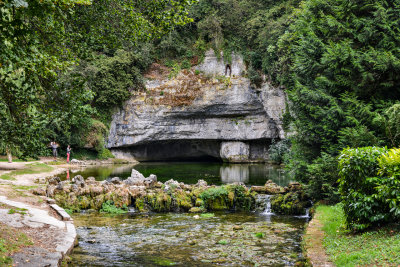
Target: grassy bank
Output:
[
  {"x": 29, "y": 169},
  {"x": 379, "y": 246},
  {"x": 11, "y": 241}
]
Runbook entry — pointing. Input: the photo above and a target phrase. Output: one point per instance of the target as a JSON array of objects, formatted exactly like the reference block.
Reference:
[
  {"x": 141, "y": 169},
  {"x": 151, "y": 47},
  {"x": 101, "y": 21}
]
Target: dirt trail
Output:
[
  {"x": 314, "y": 244},
  {"x": 52, "y": 238}
]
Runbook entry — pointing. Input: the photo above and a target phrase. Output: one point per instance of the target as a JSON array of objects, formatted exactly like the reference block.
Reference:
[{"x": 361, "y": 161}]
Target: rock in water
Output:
[{"x": 136, "y": 175}]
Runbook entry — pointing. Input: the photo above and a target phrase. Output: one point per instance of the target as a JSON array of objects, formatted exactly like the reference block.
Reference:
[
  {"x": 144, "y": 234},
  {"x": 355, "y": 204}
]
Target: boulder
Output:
[
  {"x": 201, "y": 183},
  {"x": 197, "y": 210},
  {"x": 137, "y": 191},
  {"x": 78, "y": 180},
  {"x": 54, "y": 180},
  {"x": 91, "y": 180},
  {"x": 40, "y": 180},
  {"x": 116, "y": 180},
  {"x": 171, "y": 185},
  {"x": 137, "y": 175},
  {"x": 134, "y": 181},
  {"x": 75, "y": 161},
  {"x": 235, "y": 152},
  {"x": 292, "y": 203},
  {"x": 39, "y": 191},
  {"x": 272, "y": 188},
  {"x": 294, "y": 186},
  {"x": 96, "y": 190}
]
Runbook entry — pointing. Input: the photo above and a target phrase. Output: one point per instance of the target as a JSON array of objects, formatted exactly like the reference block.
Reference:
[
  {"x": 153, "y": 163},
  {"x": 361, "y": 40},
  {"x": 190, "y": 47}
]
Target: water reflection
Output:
[
  {"x": 191, "y": 172},
  {"x": 234, "y": 173}
]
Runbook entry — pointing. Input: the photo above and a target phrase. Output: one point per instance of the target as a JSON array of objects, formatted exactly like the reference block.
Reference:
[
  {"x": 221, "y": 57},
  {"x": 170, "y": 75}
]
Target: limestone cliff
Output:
[{"x": 199, "y": 113}]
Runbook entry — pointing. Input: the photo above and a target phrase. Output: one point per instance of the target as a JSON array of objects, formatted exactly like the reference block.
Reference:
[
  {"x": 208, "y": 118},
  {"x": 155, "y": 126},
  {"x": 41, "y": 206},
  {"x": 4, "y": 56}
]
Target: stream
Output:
[{"x": 183, "y": 239}]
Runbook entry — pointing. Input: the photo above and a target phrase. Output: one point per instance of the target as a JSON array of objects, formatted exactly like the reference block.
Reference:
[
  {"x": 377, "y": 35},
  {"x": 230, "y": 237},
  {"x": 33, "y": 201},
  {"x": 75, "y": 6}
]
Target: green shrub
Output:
[
  {"x": 255, "y": 77},
  {"x": 109, "y": 207},
  {"x": 278, "y": 150},
  {"x": 364, "y": 194},
  {"x": 176, "y": 68},
  {"x": 105, "y": 154},
  {"x": 322, "y": 177},
  {"x": 389, "y": 186},
  {"x": 186, "y": 64}
]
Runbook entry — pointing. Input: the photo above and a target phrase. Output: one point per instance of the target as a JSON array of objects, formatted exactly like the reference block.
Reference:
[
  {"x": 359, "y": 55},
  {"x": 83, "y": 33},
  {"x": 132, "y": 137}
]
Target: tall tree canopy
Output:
[
  {"x": 40, "y": 41},
  {"x": 344, "y": 71}
]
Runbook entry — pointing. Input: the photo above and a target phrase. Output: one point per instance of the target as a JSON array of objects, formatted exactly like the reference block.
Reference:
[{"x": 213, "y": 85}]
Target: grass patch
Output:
[
  {"x": 260, "y": 235},
  {"x": 24, "y": 187},
  {"x": 11, "y": 241},
  {"x": 207, "y": 215},
  {"x": 21, "y": 211},
  {"x": 29, "y": 169},
  {"x": 164, "y": 262},
  {"x": 109, "y": 207},
  {"x": 223, "y": 242},
  {"x": 57, "y": 162},
  {"x": 379, "y": 246},
  {"x": 4, "y": 159}
]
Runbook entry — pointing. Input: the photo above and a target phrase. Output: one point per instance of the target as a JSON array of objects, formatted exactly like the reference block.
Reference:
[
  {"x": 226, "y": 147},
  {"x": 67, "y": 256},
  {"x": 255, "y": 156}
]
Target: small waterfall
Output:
[
  {"x": 268, "y": 210},
  {"x": 307, "y": 215},
  {"x": 131, "y": 209}
]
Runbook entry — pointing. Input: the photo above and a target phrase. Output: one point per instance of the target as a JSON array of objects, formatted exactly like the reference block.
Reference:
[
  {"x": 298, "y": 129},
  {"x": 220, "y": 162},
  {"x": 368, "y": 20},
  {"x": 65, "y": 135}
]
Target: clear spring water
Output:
[
  {"x": 191, "y": 172},
  {"x": 181, "y": 239}
]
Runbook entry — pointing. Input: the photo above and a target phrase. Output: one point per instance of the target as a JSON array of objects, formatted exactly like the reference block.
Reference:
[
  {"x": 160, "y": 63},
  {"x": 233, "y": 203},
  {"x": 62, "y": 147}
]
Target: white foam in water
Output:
[
  {"x": 131, "y": 209},
  {"x": 307, "y": 215},
  {"x": 267, "y": 210}
]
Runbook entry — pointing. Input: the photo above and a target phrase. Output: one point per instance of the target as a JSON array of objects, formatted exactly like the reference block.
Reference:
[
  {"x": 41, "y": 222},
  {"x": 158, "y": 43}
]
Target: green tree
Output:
[
  {"x": 342, "y": 71},
  {"x": 39, "y": 43}
]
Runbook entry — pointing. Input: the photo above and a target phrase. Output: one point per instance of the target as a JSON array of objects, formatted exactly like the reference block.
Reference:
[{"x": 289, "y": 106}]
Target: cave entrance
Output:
[{"x": 176, "y": 150}]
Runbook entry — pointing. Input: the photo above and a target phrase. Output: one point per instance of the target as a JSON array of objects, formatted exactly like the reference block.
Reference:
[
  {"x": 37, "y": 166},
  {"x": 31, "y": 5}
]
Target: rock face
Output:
[{"x": 199, "y": 115}]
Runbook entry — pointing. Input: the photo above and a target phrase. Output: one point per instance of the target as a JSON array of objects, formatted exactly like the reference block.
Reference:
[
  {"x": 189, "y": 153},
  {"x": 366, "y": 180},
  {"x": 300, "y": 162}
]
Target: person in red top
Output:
[{"x": 68, "y": 153}]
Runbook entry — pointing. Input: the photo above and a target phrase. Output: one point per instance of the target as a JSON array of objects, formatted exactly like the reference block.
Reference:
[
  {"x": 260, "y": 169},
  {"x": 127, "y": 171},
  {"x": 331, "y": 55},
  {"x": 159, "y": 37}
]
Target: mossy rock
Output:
[
  {"x": 159, "y": 201},
  {"x": 293, "y": 203},
  {"x": 84, "y": 202},
  {"x": 197, "y": 210},
  {"x": 199, "y": 202},
  {"x": 140, "y": 205},
  {"x": 182, "y": 200}
]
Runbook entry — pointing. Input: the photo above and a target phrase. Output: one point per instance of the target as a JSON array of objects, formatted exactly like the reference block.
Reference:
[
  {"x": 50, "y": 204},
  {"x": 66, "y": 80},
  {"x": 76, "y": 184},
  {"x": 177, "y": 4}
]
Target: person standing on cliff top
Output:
[{"x": 68, "y": 153}]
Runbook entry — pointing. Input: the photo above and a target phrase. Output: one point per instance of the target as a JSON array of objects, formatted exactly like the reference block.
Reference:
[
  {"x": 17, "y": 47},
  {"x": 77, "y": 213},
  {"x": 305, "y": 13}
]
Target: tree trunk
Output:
[{"x": 9, "y": 155}]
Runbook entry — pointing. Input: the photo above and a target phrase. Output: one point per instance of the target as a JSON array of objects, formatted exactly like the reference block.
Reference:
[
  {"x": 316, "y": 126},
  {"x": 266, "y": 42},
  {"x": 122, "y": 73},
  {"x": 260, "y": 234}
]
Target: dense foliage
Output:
[
  {"x": 370, "y": 186},
  {"x": 42, "y": 41},
  {"x": 343, "y": 77}
]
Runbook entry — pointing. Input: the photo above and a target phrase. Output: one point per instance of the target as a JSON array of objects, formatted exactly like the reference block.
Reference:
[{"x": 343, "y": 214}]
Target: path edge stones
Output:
[
  {"x": 65, "y": 245},
  {"x": 313, "y": 244}
]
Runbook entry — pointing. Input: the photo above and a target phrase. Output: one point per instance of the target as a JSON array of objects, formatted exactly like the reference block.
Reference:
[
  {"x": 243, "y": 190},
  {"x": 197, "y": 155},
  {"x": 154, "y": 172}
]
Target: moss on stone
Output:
[
  {"x": 159, "y": 201},
  {"x": 292, "y": 203},
  {"x": 199, "y": 202},
  {"x": 182, "y": 200},
  {"x": 140, "y": 204},
  {"x": 197, "y": 210}
]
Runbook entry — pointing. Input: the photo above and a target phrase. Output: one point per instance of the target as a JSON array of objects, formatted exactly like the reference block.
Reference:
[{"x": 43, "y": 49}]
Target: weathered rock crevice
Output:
[{"x": 200, "y": 113}]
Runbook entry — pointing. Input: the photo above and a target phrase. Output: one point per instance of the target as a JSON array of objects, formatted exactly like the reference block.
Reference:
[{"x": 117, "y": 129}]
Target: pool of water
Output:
[
  {"x": 191, "y": 172},
  {"x": 181, "y": 239}
]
